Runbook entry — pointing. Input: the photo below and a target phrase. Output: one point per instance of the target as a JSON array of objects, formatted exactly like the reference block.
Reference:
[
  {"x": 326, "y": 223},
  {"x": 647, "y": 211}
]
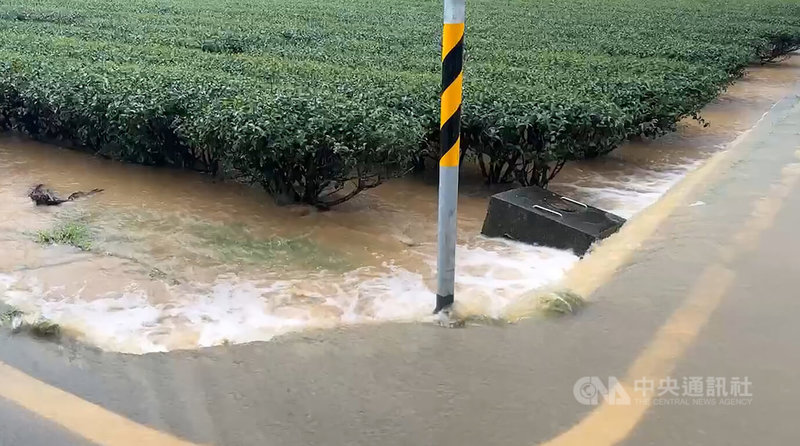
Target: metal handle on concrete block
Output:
[
  {"x": 542, "y": 208},
  {"x": 574, "y": 202}
]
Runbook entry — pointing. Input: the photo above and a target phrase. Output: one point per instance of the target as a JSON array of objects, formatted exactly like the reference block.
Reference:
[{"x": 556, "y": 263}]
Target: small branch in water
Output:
[
  {"x": 51, "y": 265},
  {"x": 46, "y": 197},
  {"x": 557, "y": 169}
]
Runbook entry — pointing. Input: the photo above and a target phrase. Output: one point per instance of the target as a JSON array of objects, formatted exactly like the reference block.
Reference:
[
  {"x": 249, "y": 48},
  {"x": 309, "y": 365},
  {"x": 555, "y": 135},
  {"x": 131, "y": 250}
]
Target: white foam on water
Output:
[
  {"x": 626, "y": 196},
  {"x": 492, "y": 275},
  {"x": 118, "y": 323}
]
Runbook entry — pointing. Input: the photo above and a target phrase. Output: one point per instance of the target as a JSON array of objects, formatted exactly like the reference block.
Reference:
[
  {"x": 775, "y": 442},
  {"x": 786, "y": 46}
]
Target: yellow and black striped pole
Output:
[{"x": 450, "y": 123}]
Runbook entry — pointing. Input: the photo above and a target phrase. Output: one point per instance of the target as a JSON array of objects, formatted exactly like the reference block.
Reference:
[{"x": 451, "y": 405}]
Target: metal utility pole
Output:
[{"x": 450, "y": 124}]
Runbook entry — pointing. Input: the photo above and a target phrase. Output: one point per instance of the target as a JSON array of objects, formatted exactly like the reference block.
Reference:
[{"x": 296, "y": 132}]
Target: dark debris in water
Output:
[{"x": 45, "y": 197}]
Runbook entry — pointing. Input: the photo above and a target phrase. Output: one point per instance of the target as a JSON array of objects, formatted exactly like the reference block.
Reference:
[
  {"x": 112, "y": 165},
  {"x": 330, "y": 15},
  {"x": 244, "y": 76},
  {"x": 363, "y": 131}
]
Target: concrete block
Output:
[{"x": 537, "y": 216}]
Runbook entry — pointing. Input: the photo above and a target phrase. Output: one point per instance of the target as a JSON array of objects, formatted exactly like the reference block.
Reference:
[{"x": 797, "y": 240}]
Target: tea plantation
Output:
[{"x": 318, "y": 100}]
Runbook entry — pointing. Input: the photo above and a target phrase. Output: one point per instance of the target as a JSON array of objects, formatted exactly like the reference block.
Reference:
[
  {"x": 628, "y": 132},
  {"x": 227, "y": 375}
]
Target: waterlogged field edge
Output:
[{"x": 317, "y": 102}]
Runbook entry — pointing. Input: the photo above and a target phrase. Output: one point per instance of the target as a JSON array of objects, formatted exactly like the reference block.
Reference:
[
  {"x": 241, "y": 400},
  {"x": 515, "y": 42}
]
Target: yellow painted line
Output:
[
  {"x": 76, "y": 415},
  {"x": 608, "y": 257},
  {"x": 606, "y": 425},
  {"x": 616, "y": 251},
  {"x": 609, "y": 424},
  {"x": 766, "y": 210}
]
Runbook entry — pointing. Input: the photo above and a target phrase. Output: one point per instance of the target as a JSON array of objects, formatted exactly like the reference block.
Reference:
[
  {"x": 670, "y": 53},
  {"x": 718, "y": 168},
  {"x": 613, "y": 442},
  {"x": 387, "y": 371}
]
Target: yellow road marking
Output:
[
  {"x": 606, "y": 425},
  {"x": 766, "y": 209},
  {"x": 81, "y": 417},
  {"x": 609, "y": 424},
  {"x": 609, "y": 256},
  {"x": 616, "y": 251},
  {"x": 601, "y": 265}
]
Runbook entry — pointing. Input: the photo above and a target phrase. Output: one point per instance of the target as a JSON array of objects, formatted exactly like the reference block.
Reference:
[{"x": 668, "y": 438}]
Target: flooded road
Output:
[{"x": 179, "y": 260}]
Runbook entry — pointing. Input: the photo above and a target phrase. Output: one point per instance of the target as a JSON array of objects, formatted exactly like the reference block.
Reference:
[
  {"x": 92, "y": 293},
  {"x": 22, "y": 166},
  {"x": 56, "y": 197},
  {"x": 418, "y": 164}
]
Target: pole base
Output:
[{"x": 443, "y": 302}]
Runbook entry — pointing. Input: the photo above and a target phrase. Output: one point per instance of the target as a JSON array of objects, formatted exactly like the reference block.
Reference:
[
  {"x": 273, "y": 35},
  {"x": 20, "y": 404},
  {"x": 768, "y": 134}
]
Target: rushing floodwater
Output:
[{"x": 180, "y": 261}]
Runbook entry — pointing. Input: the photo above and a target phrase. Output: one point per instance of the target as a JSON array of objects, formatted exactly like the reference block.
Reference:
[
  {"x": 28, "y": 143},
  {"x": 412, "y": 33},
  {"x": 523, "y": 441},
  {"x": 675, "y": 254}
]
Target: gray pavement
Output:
[
  {"x": 754, "y": 334},
  {"x": 487, "y": 385},
  {"x": 18, "y": 427}
]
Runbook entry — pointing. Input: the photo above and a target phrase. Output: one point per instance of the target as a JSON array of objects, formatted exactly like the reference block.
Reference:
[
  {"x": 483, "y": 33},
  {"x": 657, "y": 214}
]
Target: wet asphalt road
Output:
[
  {"x": 486, "y": 385},
  {"x": 22, "y": 428}
]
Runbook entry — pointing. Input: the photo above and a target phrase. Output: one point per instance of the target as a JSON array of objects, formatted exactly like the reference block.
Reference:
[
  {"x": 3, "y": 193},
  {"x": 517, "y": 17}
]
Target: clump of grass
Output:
[
  {"x": 40, "y": 328},
  {"x": 45, "y": 329},
  {"x": 12, "y": 317},
  {"x": 70, "y": 233},
  {"x": 559, "y": 303}
]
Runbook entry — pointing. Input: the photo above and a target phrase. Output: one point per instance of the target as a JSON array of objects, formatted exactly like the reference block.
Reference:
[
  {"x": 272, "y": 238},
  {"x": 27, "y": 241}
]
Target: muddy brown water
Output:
[{"x": 180, "y": 260}]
